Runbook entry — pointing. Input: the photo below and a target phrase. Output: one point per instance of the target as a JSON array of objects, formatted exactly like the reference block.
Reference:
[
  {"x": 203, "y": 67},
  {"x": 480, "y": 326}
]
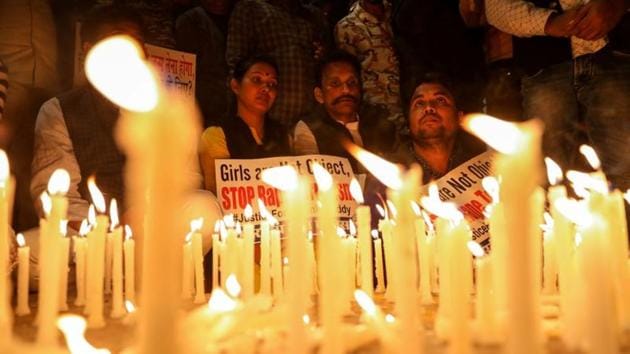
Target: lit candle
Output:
[
  {"x": 518, "y": 166},
  {"x": 197, "y": 251},
  {"x": 80, "y": 247},
  {"x": 64, "y": 249},
  {"x": 113, "y": 215},
  {"x": 265, "y": 266},
  {"x": 484, "y": 303},
  {"x": 50, "y": 230},
  {"x": 423, "y": 260},
  {"x": 129, "y": 249},
  {"x": 550, "y": 261},
  {"x": 155, "y": 182},
  {"x": 365, "y": 239},
  {"x": 90, "y": 278},
  {"x": 330, "y": 258},
  {"x": 378, "y": 257},
  {"x": 276, "y": 264},
  {"x": 24, "y": 253},
  {"x": 7, "y": 189},
  {"x": 312, "y": 265},
  {"x": 96, "y": 317},
  {"x": 118, "y": 308},
  {"x": 216, "y": 251},
  {"x": 385, "y": 226},
  {"x": 188, "y": 275},
  {"x": 248, "y": 254}
]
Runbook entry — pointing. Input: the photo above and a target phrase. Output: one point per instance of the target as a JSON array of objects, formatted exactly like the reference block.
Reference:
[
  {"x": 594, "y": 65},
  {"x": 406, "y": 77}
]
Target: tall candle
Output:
[
  {"x": 378, "y": 257},
  {"x": 107, "y": 285},
  {"x": 329, "y": 259},
  {"x": 405, "y": 272},
  {"x": 80, "y": 248},
  {"x": 7, "y": 188},
  {"x": 197, "y": 251},
  {"x": 365, "y": 249},
  {"x": 550, "y": 265},
  {"x": 296, "y": 206},
  {"x": 461, "y": 288},
  {"x": 485, "y": 314},
  {"x": 265, "y": 266},
  {"x": 24, "y": 253},
  {"x": 248, "y": 255},
  {"x": 518, "y": 166},
  {"x": 96, "y": 317},
  {"x": 129, "y": 249},
  {"x": 216, "y": 251},
  {"x": 64, "y": 248},
  {"x": 276, "y": 264},
  {"x": 188, "y": 274},
  {"x": 50, "y": 233},
  {"x": 118, "y": 309},
  {"x": 389, "y": 263}
]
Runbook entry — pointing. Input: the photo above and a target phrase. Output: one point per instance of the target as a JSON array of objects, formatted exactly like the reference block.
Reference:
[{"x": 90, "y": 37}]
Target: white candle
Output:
[
  {"x": 550, "y": 269},
  {"x": 484, "y": 304},
  {"x": 365, "y": 249},
  {"x": 23, "y": 270},
  {"x": 96, "y": 317},
  {"x": 216, "y": 251},
  {"x": 50, "y": 233},
  {"x": 197, "y": 251},
  {"x": 7, "y": 189},
  {"x": 378, "y": 257},
  {"x": 107, "y": 285},
  {"x": 276, "y": 264},
  {"x": 118, "y": 308},
  {"x": 265, "y": 260},
  {"x": 129, "y": 248},
  {"x": 248, "y": 255},
  {"x": 64, "y": 249},
  {"x": 389, "y": 263},
  {"x": 80, "y": 247},
  {"x": 188, "y": 275}
]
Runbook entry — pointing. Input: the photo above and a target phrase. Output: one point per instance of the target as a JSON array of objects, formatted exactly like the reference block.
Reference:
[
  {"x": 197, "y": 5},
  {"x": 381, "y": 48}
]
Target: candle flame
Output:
[
  {"x": 341, "y": 232},
  {"x": 220, "y": 302},
  {"x": 547, "y": 227},
  {"x": 427, "y": 221},
  {"x": 263, "y": 208},
  {"x": 365, "y": 302},
  {"x": 475, "y": 249},
  {"x": 581, "y": 180},
  {"x": 353, "y": 228},
  {"x": 59, "y": 182},
  {"x": 232, "y": 286},
  {"x": 554, "y": 172},
  {"x": 389, "y": 318},
  {"x": 4, "y": 168},
  {"x": 238, "y": 228},
  {"x": 248, "y": 212},
  {"x": 223, "y": 231},
  {"x": 97, "y": 196},
  {"x": 228, "y": 220},
  {"x": 20, "y": 240},
  {"x": 306, "y": 319},
  {"x": 284, "y": 177},
  {"x": 356, "y": 192},
  {"x": 92, "y": 215},
  {"x": 374, "y": 234},
  {"x": 416, "y": 208},
  {"x": 322, "y": 177},
  {"x": 502, "y": 136},
  {"x": 435, "y": 206},
  {"x": 380, "y": 210},
  {"x": 285, "y": 260},
  {"x": 113, "y": 214},
  {"x": 217, "y": 226},
  {"x": 385, "y": 171},
  {"x": 63, "y": 227},
  {"x": 188, "y": 238},
  {"x": 116, "y": 68},
  {"x": 196, "y": 224},
  {"x": 73, "y": 329},
  {"x": 626, "y": 196},
  {"x": 391, "y": 208},
  {"x": 129, "y": 306},
  {"x": 591, "y": 156},
  {"x": 578, "y": 239},
  {"x": 128, "y": 232},
  {"x": 84, "y": 228},
  {"x": 46, "y": 203},
  {"x": 491, "y": 185},
  {"x": 575, "y": 211}
]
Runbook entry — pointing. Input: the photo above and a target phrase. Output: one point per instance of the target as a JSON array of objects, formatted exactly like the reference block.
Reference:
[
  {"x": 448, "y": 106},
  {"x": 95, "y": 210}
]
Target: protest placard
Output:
[
  {"x": 176, "y": 69},
  {"x": 239, "y": 183},
  {"x": 462, "y": 186}
]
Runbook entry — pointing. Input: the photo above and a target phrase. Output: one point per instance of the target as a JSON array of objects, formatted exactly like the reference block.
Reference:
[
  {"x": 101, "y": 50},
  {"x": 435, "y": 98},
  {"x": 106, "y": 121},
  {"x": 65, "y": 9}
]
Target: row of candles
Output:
[{"x": 585, "y": 248}]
